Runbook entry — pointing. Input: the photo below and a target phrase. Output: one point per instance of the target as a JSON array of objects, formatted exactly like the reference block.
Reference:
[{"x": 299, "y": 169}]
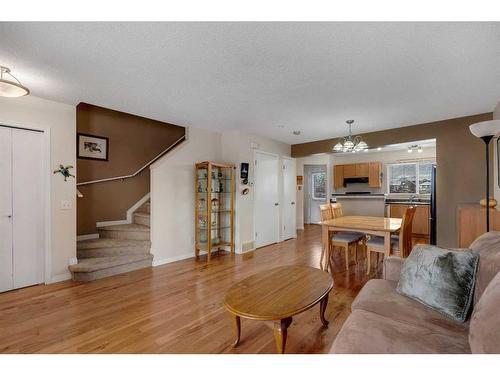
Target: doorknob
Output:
[
  {"x": 293, "y": 203},
  {"x": 276, "y": 204}
]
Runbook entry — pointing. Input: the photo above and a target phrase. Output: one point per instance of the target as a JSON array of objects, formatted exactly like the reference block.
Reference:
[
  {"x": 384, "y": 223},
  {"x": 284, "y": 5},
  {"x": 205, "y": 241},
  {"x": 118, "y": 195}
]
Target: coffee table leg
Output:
[
  {"x": 322, "y": 309},
  {"x": 280, "y": 333},
  {"x": 237, "y": 328}
]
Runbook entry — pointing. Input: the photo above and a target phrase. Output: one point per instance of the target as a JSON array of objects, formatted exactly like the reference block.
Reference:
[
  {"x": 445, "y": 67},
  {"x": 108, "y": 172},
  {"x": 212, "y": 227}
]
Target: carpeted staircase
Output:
[{"x": 119, "y": 249}]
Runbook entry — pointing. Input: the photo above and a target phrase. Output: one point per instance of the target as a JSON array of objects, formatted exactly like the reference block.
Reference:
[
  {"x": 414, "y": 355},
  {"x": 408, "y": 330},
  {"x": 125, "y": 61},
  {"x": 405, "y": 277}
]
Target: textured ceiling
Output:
[{"x": 265, "y": 78}]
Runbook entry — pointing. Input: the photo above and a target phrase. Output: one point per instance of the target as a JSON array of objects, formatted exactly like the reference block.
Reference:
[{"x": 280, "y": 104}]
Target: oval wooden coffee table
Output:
[{"x": 278, "y": 294}]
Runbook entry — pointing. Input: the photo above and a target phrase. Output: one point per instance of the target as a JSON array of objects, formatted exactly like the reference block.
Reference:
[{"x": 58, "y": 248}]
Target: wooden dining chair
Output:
[
  {"x": 342, "y": 240},
  {"x": 401, "y": 243}
]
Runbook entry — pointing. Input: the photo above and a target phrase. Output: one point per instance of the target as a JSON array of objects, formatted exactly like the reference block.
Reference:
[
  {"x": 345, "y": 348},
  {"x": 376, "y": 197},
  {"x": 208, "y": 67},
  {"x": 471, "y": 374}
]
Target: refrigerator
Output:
[{"x": 433, "y": 211}]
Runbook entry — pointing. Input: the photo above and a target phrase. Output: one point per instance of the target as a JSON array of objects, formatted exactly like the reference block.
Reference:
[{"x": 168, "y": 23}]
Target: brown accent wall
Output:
[
  {"x": 460, "y": 164},
  {"x": 133, "y": 142}
]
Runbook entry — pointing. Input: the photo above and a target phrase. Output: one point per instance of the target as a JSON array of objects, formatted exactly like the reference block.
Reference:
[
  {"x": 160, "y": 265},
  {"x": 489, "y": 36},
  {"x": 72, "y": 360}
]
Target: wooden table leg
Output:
[
  {"x": 322, "y": 309},
  {"x": 325, "y": 253},
  {"x": 387, "y": 244},
  {"x": 237, "y": 328},
  {"x": 280, "y": 333}
]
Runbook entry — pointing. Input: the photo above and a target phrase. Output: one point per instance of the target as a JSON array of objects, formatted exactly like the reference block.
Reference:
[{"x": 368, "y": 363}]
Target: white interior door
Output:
[
  {"x": 27, "y": 203},
  {"x": 289, "y": 196},
  {"x": 21, "y": 208},
  {"x": 5, "y": 209},
  {"x": 266, "y": 200}
]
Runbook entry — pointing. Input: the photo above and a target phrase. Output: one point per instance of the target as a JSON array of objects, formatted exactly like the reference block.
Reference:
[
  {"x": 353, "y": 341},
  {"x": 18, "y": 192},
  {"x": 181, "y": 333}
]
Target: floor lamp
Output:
[{"x": 486, "y": 130}]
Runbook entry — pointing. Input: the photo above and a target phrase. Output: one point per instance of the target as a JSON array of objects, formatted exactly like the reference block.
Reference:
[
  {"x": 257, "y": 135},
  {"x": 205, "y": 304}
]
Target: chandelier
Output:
[
  {"x": 350, "y": 143},
  {"x": 10, "y": 86}
]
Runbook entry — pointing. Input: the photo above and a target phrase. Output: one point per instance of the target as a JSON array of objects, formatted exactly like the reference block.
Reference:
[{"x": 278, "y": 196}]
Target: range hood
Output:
[{"x": 356, "y": 180}]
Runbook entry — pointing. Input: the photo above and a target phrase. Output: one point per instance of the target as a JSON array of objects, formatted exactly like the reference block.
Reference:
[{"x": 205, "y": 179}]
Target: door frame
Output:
[
  {"x": 282, "y": 211},
  {"x": 255, "y": 152},
  {"x": 47, "y": 188},
  {"x": 306, "y": 188}
]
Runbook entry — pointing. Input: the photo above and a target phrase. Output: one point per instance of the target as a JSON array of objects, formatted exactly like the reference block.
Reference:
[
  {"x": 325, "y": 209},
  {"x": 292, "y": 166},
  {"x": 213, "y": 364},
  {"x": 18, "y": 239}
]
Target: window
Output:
[
  {"x": 410, "y": 178},
  {"x": 318, "y": 185}
]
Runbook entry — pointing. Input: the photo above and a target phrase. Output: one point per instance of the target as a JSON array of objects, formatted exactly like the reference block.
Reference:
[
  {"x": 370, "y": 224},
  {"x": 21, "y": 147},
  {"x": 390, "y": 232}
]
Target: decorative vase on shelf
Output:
[
  {"x": 491, "y": 203},
  {"x": 215, "y": 204},
  {"x": 202, "y": 204}
]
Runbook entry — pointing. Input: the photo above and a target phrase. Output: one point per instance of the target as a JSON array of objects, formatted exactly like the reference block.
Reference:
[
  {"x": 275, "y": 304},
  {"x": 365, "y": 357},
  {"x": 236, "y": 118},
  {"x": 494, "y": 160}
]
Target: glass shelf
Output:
[
  {"x": 214, "y": 200},
  {"x": 214, "y": 179},
  {"x": 214, "y": 228}
]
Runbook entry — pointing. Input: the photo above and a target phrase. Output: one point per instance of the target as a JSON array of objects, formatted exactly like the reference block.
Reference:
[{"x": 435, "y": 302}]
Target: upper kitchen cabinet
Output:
[
  {"x": 375, "y": 175},
  {"x": 338, "y": 176},
  {"x": 370, "y": 172},
  {"x": 362, "y": 169},
  {"x": 349, "y": 170}
]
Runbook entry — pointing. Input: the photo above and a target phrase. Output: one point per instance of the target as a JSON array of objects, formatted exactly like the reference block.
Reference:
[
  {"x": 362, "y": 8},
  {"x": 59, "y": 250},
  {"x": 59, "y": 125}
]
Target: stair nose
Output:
[
  {"x": 125, "y": 232},
  {"x": 106, "y": 247},
  {"x": 142, "y": 218},
  {"x": 97, "y": 268}
]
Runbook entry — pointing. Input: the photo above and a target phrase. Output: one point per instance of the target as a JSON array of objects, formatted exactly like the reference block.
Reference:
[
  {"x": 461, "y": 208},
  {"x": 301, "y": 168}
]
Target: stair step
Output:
[
  {"x": 146, "y": 208},
  {"x": 142, "y": 218},
  {"x": 97, "y": 268},
  {"x": 125, "y": 232},
  {"x": 107, "y": 247}
]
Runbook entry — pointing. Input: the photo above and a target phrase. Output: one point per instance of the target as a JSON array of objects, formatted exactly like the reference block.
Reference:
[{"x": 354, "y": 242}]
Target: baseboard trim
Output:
[
  {"x": 135, "y": 207},
  {"x": 101, "y": 224},
  {"x": 171, "y": 259},
  {"x": 61, "y": 277},
  {"x": 84, "y": 237}
]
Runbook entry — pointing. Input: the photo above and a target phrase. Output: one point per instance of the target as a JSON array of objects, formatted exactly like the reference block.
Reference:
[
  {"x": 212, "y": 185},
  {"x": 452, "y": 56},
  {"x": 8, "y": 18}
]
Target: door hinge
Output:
[
  {"x": 255, "y": 162},
  {"x": 255, "y": 234}
]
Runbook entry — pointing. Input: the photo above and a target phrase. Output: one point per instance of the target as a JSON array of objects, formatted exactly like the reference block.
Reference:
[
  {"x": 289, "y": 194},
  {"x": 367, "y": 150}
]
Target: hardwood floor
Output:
[{"x": 174, "y": 308}]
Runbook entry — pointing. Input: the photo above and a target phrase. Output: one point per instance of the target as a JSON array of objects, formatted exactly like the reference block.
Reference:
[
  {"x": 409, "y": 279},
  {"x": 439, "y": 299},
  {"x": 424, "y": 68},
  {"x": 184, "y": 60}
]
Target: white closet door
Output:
[
  {"x": 5, "y": 209},
  {"x": 289, "y": 196},
  {"x": 266, "y": 199},
  {"x": 27, "y": 219}
]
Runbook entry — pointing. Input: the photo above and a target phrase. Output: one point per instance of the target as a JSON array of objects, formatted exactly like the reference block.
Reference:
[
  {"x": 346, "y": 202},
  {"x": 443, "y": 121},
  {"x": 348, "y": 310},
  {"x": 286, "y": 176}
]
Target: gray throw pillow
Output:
[{"x": 441, "y": 279}]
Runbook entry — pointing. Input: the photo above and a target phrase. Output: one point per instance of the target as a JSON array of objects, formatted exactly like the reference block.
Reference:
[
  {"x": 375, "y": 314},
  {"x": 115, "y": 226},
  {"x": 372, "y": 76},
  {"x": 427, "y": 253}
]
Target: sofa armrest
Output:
[{"x": 392, "y": 268}]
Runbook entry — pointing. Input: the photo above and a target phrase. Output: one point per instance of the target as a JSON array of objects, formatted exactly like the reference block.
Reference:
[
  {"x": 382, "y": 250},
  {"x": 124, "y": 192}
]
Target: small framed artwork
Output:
[{"x": 92, "y": 147}]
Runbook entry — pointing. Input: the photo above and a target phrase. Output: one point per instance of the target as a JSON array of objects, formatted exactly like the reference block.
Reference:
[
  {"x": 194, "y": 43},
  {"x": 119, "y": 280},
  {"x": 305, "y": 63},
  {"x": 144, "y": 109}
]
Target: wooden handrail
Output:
[{"x": 181, "y": 139}]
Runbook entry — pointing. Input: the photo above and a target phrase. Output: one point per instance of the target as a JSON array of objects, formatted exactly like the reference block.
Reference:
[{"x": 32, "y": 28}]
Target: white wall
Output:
[
  {"x": 237, "y": 149},
  {"x": 173, "y": 191},
  {"x": 173, "y": 195},
  {"x": 323, "y": 159},
  {"x": 61, "y": 120}
]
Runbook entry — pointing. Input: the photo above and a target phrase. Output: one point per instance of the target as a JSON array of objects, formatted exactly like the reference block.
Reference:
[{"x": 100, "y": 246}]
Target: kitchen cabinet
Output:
[
  {"x": 371, "y": 170},
  {"x": 338, "y": 176},
  {"x": 349, "y": 170},
  {"x": 421, "y": 225},
  {"x": 472, "y": 222},
  {"x": 362, "y": 169},
  {"x": 375, "y": 175}
]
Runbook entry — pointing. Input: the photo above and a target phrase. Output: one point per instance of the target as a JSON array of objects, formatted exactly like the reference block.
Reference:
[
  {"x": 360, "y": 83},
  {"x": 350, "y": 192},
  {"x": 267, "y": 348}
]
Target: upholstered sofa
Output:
[{"x": 383, "y": 321}]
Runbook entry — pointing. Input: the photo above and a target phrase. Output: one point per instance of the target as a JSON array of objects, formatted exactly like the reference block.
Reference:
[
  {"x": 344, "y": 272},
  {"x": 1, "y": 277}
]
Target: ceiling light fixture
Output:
[
  {"x": 379, "y": 148},
  {"x": 415, "y": 148},
  {"x": 350, "y": 143},
  {"x": 10, "y": 87}
]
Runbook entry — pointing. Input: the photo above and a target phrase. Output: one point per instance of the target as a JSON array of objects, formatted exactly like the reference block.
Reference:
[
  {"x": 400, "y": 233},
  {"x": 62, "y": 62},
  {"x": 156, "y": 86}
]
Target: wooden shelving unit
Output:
[{"x": 214, "y": 208}]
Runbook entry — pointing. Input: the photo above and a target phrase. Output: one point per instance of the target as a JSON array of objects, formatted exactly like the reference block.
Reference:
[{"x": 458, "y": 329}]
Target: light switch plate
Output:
[{"x": 65, "y": 205}]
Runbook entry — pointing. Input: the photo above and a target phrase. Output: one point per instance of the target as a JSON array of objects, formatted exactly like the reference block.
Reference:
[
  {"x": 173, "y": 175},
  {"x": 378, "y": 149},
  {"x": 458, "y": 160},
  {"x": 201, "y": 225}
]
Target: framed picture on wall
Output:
[{"x": 92, "y": 147}]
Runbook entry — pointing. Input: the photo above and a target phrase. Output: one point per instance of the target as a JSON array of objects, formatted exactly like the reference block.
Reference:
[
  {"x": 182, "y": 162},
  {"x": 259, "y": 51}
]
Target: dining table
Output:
[{"x": 373, "y": 225}]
